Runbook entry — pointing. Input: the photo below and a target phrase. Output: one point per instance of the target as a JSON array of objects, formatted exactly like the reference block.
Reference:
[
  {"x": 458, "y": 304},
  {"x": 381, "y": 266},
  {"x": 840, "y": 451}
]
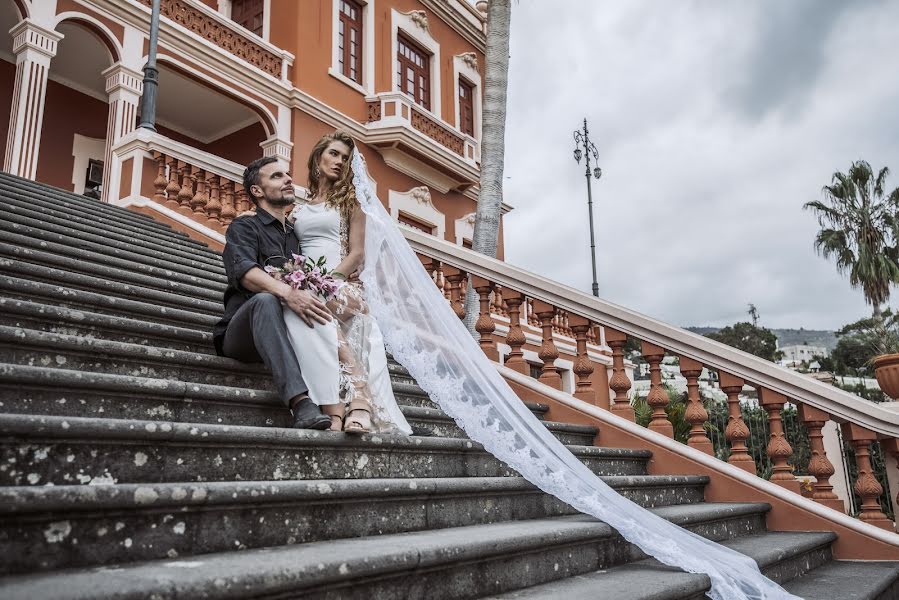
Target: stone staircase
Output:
[{"x": 137, "y": 464}]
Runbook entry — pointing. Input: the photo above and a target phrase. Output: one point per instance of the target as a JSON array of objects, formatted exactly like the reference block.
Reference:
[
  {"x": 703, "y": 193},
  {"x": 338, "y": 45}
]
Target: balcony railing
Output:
[{"x": 866, "y": 427}]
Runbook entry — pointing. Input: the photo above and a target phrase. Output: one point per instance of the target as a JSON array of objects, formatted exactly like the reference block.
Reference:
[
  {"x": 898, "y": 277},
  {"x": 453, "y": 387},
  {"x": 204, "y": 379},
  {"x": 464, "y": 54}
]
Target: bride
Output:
[{"x": 348, "y": 361}]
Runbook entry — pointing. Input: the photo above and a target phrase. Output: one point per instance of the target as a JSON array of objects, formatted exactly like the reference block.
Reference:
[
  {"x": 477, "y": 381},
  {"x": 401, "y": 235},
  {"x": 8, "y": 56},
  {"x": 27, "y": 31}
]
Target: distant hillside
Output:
[{"x": 789, "y": 337}]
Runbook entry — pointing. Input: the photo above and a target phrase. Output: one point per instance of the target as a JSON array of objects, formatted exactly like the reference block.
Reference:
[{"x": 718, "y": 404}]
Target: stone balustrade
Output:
[{"x": 527, "y": 303}]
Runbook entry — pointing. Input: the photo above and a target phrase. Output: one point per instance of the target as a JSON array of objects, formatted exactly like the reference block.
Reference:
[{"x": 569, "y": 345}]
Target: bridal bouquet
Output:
[{"x": 302, "y": 273}]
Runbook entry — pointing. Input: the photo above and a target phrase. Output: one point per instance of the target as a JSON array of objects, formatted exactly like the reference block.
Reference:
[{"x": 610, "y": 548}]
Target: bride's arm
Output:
[{"x": 353, "y": 259}]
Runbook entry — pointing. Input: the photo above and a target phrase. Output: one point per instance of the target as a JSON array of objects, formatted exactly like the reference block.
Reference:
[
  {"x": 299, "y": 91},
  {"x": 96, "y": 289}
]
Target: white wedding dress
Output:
[{"x": 329, "y": 378}]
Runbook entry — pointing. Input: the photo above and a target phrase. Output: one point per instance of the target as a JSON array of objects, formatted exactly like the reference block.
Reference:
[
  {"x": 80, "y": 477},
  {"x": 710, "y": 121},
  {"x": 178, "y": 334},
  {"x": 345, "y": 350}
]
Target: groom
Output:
[{"x": 252, "y": 328}]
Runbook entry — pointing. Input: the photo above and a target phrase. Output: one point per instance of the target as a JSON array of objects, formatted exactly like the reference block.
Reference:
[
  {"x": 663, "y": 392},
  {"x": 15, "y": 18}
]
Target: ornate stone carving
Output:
[
  {"x": 228, "y": 39},
  {"x": 420, "y": 18},
  {"x": 470, "y": 59},
  {"x": 437, "y": 132},
  {"x": 374, "y": 111},
  {"x": 422, "y": 195}
]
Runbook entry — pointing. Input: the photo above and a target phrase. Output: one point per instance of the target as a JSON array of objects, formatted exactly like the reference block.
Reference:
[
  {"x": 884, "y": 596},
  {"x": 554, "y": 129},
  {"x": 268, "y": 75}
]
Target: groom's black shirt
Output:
[{"x": 252, "y": 241}]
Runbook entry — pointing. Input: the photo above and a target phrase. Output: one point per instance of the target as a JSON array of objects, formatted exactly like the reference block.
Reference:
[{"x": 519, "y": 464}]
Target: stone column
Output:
[
  {"x": 279, "y": 148},
  {"x": 124, "y": 87},
  {"x": 34, "y": 47}
]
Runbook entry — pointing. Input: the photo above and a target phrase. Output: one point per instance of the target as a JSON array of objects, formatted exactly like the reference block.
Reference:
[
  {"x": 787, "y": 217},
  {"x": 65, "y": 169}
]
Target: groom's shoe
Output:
[{"x": 307, "y": 415}]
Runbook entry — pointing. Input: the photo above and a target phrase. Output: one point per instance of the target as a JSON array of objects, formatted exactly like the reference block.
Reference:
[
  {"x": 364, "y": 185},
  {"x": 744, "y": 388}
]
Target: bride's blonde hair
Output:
[{"x": 342, "y": 195}]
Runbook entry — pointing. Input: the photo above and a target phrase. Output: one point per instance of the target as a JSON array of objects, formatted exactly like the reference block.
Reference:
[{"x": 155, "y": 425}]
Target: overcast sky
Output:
[{"x": 715, "y": 121}]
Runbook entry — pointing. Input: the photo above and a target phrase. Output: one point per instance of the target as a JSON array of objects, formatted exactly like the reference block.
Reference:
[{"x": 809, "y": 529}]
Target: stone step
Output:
[
  {"x": 101, "y": 283},
  {"x": 168, "y": 520},
  {"x": 22, "y": 213},
  {"x": 849, "y": 580},
  {"x": 63, "y": 292},
  {"x": 87, "y": 324},
  {"x": 41, "y": 450},
  {"x": 780, "y": 555},
  {"x": 72, "y": 262},
  {"x": 108, "y": 254},
  {"x": 452, "y": 563},
  {"x": 100, "y": 212}
]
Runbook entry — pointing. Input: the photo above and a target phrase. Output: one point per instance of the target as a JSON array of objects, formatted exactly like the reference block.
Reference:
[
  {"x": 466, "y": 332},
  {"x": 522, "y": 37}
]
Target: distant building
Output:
[{"x": 798, "y": 353}]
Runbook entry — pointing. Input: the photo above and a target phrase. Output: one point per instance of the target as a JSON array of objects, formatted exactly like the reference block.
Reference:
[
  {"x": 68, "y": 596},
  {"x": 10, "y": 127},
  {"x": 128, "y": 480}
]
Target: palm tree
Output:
[
  {"x": 860, "y": 228},
  {"x": 493, "y": 133}
]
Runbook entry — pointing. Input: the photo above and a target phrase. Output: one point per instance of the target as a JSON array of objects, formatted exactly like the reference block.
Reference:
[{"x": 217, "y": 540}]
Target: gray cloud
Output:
[{"x": 708, "y": 151}]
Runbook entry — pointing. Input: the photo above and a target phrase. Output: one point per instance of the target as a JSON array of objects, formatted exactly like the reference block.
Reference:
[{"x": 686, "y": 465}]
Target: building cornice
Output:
[{"x": 464, "y": 19}]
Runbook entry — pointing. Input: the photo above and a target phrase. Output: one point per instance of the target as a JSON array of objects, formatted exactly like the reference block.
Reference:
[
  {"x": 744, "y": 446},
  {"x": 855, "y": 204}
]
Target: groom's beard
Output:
[{"x": 279, "y": 202}]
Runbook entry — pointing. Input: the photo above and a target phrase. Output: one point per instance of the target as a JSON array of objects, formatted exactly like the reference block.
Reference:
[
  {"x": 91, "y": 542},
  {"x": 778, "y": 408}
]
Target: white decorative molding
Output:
[
  {"x": 33, "y": 42},
  {"x": 420, "y": 18},
  {"x": 470, "y": 59},
  {"x": 465, "y": 228},
  {"x": 463, "y": 18},
  {"x": 417, "y": 204},
  {"x": 279, "y": 148},
  {"x": 83, "y": 150},
  {"x": 368, "y": 47},
  {"x": 422, "y": 36}
]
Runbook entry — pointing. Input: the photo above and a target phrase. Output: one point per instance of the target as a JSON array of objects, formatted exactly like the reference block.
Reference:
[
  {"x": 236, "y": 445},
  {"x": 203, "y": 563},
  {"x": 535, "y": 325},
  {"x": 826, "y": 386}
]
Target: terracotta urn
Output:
[{"x": 886, "y": 370}]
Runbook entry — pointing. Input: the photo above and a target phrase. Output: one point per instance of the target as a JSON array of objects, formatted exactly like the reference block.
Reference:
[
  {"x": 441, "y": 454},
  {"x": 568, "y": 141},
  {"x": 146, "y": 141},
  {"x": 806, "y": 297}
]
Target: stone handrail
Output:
[{"x": 862, "y": 422}]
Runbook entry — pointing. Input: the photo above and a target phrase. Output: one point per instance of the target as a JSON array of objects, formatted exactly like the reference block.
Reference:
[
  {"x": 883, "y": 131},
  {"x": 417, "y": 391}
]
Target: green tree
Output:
[
  {"x": 750, "y": 338},
  {"x": 860, "y": 229}
]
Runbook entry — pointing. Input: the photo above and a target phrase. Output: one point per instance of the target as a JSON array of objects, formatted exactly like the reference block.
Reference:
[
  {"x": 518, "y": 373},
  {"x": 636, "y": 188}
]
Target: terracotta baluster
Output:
[
  {"x": 658, "y": 397},
  {"x": 439, "y": 278},
  {"x": 696, "y": 414},
  {"x": 198, "y": 202},
  {"x": 779, "y": 449},
  {"x": 242, "y": 202},
  {"x": 619, "y": 382},
  {"x": 485, "y": 325},
  {"x": 515, "y": 338},
  {"x": 214, "y": 205},
  {"x": 532, "y": 316},
  {"x": 160, "y": 182},
  {"x": 819, "y": 465},
  {"x": 548, "y": 352},
  {"x": 583, "y": 366},
  {"x": 737, "y": 431},
  {"x": 186, "y": 193},
  {"x": 173, "y": 187},
  {"x": 866, "y": 486},
  {"x": 228, "y": 210},
  {"x": 455, "y": 277},
  {"x": 429, "y": 265}
]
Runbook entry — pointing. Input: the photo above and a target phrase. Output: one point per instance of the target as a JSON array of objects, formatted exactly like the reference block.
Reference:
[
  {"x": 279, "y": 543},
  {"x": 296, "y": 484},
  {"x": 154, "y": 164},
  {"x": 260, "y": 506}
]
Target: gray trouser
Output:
[{"x": 257, "y": 333}]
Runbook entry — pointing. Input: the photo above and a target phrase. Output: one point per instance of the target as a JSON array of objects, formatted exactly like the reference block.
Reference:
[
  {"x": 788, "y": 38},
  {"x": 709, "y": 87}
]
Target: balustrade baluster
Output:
[
  {"x": 778, "y": 449},
  {"x": 484, "y": 325},
  {"x": 696, "y": 414},
  {"x": 243, "y": 201},
  {"x": 736, "y": 431},
  {"x": 455, "y": 277},
  {"x": 866, "y": 486},
  {"x": 548, "y": 352},
  {"x": 228, "y": 211},
  {"x": 214, "y": 205},
  {"x": 173, "y": 187},
  {"x": 198, "y": 202},
  {"x": 515, "y": 337},
  {"x": 658, "y": 397},
  {"x": 186, "y": 193},
  {"x": 583, "y": 366},
  {"x": 819, "y": 465},
  {"x": 619, "y": 382},
  {"x": 160, "y": 183},
  {"x": 532, "y": 317}
]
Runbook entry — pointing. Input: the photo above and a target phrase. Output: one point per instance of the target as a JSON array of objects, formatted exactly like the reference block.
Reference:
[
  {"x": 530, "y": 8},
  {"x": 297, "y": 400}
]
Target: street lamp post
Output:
[
  {"x": 151, "y": 74},
  {"x": 581, "y": 138}
]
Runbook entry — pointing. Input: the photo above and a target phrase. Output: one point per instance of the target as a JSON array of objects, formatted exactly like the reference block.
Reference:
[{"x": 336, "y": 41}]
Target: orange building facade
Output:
[{"x": 239, "y": 79}]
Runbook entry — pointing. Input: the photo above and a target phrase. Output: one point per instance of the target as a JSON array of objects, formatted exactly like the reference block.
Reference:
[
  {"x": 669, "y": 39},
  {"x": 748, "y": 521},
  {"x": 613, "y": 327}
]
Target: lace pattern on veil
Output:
[{"x": 425, "y": 335}]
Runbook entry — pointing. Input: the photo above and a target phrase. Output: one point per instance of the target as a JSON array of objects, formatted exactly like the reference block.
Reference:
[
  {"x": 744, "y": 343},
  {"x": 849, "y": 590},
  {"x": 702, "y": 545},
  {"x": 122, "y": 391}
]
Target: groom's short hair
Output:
[{"x": 251, "y": 175}]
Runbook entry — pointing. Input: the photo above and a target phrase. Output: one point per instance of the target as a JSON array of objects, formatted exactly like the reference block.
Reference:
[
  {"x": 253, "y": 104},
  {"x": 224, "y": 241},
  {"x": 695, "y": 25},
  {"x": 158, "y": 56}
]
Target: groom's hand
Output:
[{"x": 308, "y": 307}]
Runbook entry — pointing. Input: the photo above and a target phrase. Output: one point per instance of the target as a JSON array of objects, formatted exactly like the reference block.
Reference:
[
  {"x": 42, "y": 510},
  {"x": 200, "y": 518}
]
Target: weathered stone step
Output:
[
  {"x": 108, "y": 254},
  {"x": 849, "y": 580},
  {"x": 148, "y": 307},
  {"x": 453, "y": 563},
  {"x": 168, "y": 520},
  {"x": 154, "y": 233},
  {"x": 100, "y": 283},
  {"x": 51, "y": 318},
  {"x": 84, "y": 207},
  {"x": 778, "y": 555},
  {"x": 71, "y": 450},
  {"x": 77, "y": 262},
  {"x": 29, "y": 215}
]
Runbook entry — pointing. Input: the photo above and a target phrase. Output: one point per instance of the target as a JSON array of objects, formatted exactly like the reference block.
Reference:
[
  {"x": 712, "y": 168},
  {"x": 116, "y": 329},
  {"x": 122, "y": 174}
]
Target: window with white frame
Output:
[
  {"x": 413, "y": 71},
  {"x": 349, "y": 40},
  {"x": 416, "y": 56}
]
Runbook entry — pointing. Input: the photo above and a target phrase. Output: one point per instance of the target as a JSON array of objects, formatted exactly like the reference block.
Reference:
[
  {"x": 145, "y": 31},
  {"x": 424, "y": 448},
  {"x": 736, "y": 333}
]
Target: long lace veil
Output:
[{"x": 425, "y": 335}]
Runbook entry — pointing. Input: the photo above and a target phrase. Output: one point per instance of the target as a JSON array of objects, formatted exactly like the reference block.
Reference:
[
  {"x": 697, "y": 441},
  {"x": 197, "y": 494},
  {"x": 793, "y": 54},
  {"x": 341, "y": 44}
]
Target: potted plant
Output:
[{"x": 886, "y": 363}]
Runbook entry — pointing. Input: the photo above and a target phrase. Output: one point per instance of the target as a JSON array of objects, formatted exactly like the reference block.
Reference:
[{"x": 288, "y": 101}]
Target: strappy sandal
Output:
[
  {"x": 336, "y": 423},
  {"x": 353, "y": 424}
]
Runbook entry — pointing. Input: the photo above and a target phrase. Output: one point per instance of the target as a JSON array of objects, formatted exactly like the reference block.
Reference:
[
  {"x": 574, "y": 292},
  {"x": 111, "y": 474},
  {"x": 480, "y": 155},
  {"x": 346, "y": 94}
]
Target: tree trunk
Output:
[{"x": 493, "y": 133}]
